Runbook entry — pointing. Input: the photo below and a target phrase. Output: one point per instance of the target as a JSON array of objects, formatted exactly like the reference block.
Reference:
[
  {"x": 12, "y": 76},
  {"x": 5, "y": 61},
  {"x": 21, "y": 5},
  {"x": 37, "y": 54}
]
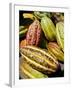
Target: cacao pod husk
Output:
[
  {"x": 22, "y": 43},
  {"x": 22, "y": 31},
  {"x": 39, "y": 15},
  {"x": 29, "y": 15},
  {"x": 39, "y": 59},
  {"x": 60, "y": 34},
  {"x": 48, "y": 28},
  {"x": 34, "y": 34},
  {"x": 27, "y": 72},
  {"x": 55, "y": 51}
]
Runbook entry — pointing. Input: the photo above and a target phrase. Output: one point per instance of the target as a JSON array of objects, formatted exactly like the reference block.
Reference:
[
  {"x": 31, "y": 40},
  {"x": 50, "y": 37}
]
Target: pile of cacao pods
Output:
[{"x": 41, "y": 44}]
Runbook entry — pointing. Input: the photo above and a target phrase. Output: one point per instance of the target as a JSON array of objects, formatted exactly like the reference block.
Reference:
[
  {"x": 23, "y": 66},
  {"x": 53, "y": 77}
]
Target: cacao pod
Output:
[
  {"x": 39, "y": 59},
  {"x": 39, "y": 15},
  {"x": 23, "y": 43},
  {"x": 22, "y": 31},
  {"x": 48, "y": 28},
  {"x": 29, "y": 15},
  {"x": 57, "y": 17},
  {"x": 60, "y": 34},
  {"x": 26, "y": 71},
  {"x": 55, "y": 51},
  {"x": 34, "y": 33}
]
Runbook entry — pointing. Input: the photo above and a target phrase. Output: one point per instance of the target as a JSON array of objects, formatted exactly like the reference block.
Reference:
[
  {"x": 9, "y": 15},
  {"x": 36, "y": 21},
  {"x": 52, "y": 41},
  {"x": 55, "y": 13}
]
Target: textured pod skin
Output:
[
  {"x": 57, "y": 17},
  {"x": 26, "y": 71},
  {"x": 60, "y": 34},
  {"x": 23, "y": 43},
  {"x": 34, "y": 33},
  {"x": 28, "y": 15},
  {"x": 39, "y": 15},
  {"x": 48, "y": 28},
  {"x": 39, "y": 59},
  {"x": 55, "y": 51}
]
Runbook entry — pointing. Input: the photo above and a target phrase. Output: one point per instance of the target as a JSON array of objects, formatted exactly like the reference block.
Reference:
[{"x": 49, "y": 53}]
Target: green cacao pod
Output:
[
  {"x": 22, "y": 31},
  {"x": 60, "y": 34},
  {"x": 48, "y": 28},
  {"x": 26, "y": 71},
  {"x": 39, "y": 15},
  {"x": 55, "y": 51},
  {"x": 39, "y": 59}
]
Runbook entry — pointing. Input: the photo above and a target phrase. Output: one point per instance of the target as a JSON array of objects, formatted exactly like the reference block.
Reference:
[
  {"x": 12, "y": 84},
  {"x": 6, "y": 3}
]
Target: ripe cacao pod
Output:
[
  {"x": 39, "y": 59},
  {"x": 48, "y": 28},
  {"x": 34, "y": 33},
  {"x": 55, "y": 51},
  {"x": 60, "y": 34},
  {"x": 26, "y": 71},
  {"x": 23, "y": 43}
]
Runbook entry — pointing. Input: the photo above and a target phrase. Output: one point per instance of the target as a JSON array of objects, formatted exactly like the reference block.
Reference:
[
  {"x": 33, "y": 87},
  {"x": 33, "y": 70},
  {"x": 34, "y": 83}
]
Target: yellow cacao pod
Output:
[
  {"x": 55, "y": 50},
  {"x": 26, "y": 71},
  {"x": 39, "y": 59}
]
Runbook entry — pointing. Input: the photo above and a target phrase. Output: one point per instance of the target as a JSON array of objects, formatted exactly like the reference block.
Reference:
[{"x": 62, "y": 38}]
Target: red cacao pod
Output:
[{"x": 34, "y": 33}]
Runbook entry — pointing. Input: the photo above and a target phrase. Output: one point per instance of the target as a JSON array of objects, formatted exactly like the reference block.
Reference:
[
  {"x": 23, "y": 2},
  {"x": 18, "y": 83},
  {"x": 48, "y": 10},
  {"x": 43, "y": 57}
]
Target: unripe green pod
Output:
[
  {"x": 60, "y": 34},
  {"x": 39, "y": 15},
  {"x": 22, "y": 31},
  {"x": 48, "y": 28},
  {"x": 26, "y": 71}
]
